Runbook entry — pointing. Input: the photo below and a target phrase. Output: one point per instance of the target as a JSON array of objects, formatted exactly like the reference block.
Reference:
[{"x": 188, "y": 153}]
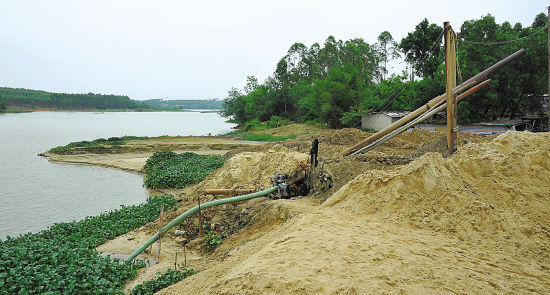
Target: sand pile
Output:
[
  {"x": 476, "y": 222},
  {"x": 501, "y": 187},
  {"x": 253, "y": 169}
]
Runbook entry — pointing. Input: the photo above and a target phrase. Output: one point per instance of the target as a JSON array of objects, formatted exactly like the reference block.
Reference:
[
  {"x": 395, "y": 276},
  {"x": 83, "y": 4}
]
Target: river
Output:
[{"x": 35, "y": 193}]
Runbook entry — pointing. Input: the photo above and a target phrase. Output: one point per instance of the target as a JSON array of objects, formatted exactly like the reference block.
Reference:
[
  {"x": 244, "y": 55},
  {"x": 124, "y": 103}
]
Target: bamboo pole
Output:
[
  {"x": 450, "y": 74},
  {"x": 466, "y": 84},
  {"x": 419, "y": 120},
  {"x": 160, "y": 230}
]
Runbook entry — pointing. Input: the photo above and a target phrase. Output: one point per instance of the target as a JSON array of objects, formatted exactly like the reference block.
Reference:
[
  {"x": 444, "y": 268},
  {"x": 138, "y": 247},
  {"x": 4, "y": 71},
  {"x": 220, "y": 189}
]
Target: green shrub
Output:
[
  {"x": 63, "y": 260},
  {"x": 253, "y": 125},
  {"x": 169, "y": 277},
  {"x": 170, "y": 170},
  {"x": 113, "y": 141}
]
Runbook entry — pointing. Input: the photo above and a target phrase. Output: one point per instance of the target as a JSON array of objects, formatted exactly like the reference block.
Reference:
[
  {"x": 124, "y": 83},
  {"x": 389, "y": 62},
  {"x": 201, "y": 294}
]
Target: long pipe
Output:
[
  {"x": 433, "y": 102},
  {"x": 221, "y": 191},
  {"x": 193, "y": 210},
  {"x": 419, "y": 120}
]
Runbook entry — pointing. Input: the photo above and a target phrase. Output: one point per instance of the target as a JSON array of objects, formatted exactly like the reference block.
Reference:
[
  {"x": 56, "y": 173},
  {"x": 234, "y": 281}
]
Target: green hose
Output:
[{"x": 194, "y": 210}]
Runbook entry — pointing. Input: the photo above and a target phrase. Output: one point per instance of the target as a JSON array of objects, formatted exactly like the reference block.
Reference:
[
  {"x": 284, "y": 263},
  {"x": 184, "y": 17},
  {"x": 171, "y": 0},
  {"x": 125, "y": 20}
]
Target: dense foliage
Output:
[
  {"x": 169, "y": 277},
  {"x": 2, "y": 106},
  {"x": 28, "y": 98},
  {"x": 63, "y": 260},
  {"x": 167, "y": 169},
  {"x": 206, "y": 104},
  {"x": 340, "y": 81}
]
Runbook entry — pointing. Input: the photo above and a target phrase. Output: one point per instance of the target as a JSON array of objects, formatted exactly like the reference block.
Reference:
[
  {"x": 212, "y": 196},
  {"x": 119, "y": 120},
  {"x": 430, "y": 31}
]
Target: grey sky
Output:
[{"x": 197, "y": 49}]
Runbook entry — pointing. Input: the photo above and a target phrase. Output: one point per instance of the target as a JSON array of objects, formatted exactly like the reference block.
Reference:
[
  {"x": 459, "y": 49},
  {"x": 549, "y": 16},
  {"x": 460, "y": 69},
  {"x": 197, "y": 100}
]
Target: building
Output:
[{"x": 377, "y": 121}]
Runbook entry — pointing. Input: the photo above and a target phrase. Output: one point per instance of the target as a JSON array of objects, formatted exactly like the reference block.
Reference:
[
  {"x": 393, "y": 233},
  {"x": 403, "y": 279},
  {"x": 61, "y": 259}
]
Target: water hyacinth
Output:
[{"x": 167, "y": 169}]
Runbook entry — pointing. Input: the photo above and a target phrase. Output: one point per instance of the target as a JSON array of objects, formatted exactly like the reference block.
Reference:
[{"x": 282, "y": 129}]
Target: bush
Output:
[
  {"x": 63, "y": 260},
  {"x": 170, "y": 170},
  {"x": 253, "y": 125}
]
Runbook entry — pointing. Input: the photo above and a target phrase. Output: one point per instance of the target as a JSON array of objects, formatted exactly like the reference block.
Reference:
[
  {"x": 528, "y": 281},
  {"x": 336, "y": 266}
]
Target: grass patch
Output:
[
  {"x": 100, "y": 142},
  {"x": 63, "y": 259},
  {"x": 267, "y": 137},
  {"x": 168, "y": 278},
  {"x": 16, "y": 111},
  {"x": 167, "y": 169}
]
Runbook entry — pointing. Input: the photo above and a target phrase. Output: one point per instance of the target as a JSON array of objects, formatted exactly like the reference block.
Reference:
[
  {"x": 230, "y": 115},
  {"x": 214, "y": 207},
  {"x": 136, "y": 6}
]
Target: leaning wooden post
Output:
[
  {"x": 450, "y": 73},
  {"x": 200, "y": 216},
  {"x": 160, "y": 231}
]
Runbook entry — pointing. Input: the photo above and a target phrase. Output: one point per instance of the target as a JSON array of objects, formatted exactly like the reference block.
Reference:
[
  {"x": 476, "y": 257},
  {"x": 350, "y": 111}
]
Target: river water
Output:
[{"x": 35, "y": 193}]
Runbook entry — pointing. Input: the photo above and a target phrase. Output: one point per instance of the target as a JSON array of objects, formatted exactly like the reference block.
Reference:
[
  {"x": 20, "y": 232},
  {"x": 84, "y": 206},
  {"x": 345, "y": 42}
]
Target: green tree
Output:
[
  {"x": 387, "y": 49},
  {"x": 515, "y": 89},
  {"x": 2, "y": 106},
  {"x": 423, "y": 48}
]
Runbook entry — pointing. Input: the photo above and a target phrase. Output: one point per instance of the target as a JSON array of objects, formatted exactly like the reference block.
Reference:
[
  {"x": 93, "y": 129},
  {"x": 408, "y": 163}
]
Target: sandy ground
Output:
[
  {"x": 476, "y": 222},
  {"x": 132, "y": 156},
  {"x": 405, "y": 218}
]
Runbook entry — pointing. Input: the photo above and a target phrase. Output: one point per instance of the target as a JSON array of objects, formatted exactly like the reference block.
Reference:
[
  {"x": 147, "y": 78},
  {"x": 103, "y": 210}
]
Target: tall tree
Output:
[
  {"x": 423, "y": 48},
  {"x": 387, "y": 49}
]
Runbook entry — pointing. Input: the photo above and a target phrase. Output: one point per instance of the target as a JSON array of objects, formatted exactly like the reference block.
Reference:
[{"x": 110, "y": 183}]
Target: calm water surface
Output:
[{"x": 35, "y": 193}]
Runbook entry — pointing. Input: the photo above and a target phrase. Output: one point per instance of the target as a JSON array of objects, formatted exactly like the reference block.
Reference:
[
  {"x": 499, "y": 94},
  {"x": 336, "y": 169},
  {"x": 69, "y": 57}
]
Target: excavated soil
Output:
[
  {"x": 475, "y": 222},
  {"x": 404, "y": 218}
]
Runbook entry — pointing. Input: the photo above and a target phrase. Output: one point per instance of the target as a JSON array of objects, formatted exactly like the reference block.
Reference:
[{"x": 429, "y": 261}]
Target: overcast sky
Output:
[{"x": 197, "y": 49}]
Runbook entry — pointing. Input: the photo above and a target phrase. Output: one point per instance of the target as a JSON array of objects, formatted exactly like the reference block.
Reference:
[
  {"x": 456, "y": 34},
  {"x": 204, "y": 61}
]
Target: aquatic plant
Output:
[
  {"x": 98, "y": 142},
  {"x": 62, "y": 259},
  {"x": 169, "y": 277},
  {"x": 170, "y": 170}
]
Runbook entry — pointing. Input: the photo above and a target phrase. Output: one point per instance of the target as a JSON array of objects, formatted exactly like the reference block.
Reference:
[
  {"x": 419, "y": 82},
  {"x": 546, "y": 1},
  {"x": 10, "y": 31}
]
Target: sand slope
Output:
[{"x": 474, "y": 223}]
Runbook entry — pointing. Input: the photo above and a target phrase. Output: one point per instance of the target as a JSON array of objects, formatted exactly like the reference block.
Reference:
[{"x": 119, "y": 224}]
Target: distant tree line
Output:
[
  {"x": 338, "y": 82},
  {"x": 26, "y": 98},
  {"x": 211, "y": 104},
  {"x": 2, "y": 106}
]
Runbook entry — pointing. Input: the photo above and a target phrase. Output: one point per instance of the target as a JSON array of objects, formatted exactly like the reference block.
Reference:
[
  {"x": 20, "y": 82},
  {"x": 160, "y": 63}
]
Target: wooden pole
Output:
[
  {"x": 160, "y": 231},
  {"x": 466, "y": 84},
  {"x": 200, "y": 217},
  {"x": 184, "y": 256},
  {"x": 450, "y": 73}
]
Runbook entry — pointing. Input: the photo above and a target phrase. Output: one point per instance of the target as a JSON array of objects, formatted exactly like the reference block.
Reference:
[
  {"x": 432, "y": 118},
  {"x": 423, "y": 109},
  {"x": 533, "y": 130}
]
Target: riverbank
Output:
[
  {"x": 405, "y": 217},
  {"x": 132, "y": 155}
]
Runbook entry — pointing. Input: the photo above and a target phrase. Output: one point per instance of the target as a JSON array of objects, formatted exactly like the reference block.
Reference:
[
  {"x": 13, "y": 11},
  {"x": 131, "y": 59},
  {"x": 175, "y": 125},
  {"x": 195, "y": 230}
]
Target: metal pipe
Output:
[
  {"x": 193, "y": 210},
  {"x": 433, "y": 102},
  {"x": 420, "y": 119}
]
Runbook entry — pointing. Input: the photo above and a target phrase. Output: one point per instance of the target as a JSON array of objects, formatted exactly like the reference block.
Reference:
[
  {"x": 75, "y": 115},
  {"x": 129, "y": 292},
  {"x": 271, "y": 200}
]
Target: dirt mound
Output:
[
  {"x": 294, "y": 129},
  {"x": 252, "y": 169},
  {"x": 489, "y": 187},
  {"x": 476, "y": 222}
]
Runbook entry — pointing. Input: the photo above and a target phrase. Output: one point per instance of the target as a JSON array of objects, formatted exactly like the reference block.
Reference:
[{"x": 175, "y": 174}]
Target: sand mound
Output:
[
  {"x": 497, "y": 187},
  {"x": 252, "y": 169},
  {"x": 476, "y": 222}
]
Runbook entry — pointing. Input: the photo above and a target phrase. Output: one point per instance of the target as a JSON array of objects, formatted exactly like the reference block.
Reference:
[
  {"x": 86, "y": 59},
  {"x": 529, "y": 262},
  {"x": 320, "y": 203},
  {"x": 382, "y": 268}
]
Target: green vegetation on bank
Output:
[
  {"x": 168, "y": 278},
  {"x": 249, "y": 130},
  {"x": 63, "y": 259},
  {"x": 167, "y": 169},
  {"x": 336, "y": 83},
  {"x": 206, "y": 104},
  {"x": 32, "y": 99},
  {"x": 2, "y": 106},
  {"x": 112, "y": 141}
]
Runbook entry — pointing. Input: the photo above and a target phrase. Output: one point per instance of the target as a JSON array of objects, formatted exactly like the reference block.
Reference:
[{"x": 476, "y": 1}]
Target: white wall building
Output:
[{"x": 380, "y": 120}]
